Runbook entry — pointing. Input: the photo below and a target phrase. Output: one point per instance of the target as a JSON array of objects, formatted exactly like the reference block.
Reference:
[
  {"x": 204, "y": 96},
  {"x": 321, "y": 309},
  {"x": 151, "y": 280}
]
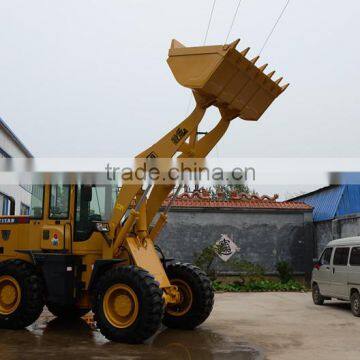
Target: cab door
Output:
[
  {"x": 340, "y": 273},
  {"x": 57, "y": 230},
  {"x": 322, "y": 272}
]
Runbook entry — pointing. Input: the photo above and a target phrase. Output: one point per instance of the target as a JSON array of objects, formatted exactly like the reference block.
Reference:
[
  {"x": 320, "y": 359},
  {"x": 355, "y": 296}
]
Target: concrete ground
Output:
[
  {"x": 288, "y": 325},
  {"x": 242, "y": 326}
]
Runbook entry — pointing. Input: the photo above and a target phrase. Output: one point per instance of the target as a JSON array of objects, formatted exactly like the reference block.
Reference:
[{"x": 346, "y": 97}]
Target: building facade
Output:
[
  {"x": 14, "y": 199},
  {"x": 266, "y": 231},
  {"x": 336, "y": 213}
]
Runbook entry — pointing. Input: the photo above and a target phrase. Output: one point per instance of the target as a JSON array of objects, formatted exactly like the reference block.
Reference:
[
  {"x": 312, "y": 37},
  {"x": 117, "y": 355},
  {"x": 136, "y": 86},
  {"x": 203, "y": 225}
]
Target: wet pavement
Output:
[
  {"x": 52, "y": 338},
  {"x": 243, "y": 326}
]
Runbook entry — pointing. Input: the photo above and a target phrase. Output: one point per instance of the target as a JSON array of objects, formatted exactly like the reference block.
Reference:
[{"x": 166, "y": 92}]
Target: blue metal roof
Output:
[
  {"x": 350, "y": 201},
  {"x": 325, "y": 202},
  {"x": 332, "y": 201}
]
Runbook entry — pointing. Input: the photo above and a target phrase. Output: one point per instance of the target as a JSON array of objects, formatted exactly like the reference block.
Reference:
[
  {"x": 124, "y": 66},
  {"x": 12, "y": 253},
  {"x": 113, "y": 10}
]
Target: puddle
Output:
[{"x": 58, "y": 339}]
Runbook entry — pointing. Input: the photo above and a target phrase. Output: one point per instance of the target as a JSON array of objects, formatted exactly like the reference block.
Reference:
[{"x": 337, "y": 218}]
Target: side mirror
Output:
[{"x": 86, "y": 193}]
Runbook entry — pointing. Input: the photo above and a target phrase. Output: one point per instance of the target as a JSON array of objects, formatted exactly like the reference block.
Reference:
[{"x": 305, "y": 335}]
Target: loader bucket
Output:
[{"x": 225, "y": 77}]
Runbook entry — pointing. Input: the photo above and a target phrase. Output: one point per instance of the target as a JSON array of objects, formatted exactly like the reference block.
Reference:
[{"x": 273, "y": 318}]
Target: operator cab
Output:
[{"x": 69, "y": 212}]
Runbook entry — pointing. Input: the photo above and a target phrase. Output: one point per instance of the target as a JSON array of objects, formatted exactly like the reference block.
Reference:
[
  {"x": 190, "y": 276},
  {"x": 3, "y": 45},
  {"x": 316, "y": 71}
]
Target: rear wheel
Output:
[
  {"x": 355, "y": 303},
  {"x": 128, "y": 305},
  {"x": 66, "y": 311},
  {"x": 21, "y": 294},
  {"x": 318, "y": 299},
  {"x": 196, "y": 297}
]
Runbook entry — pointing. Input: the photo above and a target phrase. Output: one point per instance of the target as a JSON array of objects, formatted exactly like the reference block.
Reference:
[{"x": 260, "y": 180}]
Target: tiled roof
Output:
[{"x": 244, "y": 201}]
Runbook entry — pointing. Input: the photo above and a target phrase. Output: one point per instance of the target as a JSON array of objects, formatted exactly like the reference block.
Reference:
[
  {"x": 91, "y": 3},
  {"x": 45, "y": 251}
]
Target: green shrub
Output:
[
  {"x": 285, "y": 271},
  {"x": 259, "y": 285}
]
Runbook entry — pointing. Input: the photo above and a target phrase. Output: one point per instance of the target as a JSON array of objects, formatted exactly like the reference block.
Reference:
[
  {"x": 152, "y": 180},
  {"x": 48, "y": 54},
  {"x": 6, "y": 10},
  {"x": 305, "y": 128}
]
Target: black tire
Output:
[
  {"x": 66, "y": 312},
  {"x": 318, "y": 299},
  {"x": 202, "y": 297},
  {"x": 355, "y": 303},
  {"x": 32, "y": 294},
  {"x": 148, "y": 317}
]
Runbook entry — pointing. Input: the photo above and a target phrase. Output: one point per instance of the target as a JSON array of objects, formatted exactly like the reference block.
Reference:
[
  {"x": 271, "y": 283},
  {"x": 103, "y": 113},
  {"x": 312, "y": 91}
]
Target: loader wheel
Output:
[
  {"x": 128, "y": 304},
  {"x": 66, "y": 311},
  {"x": 196, "y": 293},
  {"x": 21, "y": 294}
]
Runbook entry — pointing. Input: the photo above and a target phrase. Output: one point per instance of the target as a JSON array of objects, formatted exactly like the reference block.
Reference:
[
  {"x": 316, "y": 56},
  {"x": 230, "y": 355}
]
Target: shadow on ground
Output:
[
  {"x": 339, "y": 305},
  {"x": 58, "y": 339}
]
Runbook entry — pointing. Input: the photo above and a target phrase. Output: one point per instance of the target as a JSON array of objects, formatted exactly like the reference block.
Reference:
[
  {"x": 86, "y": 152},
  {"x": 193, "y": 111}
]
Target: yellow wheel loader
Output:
[{"x": 86, "y": 247}]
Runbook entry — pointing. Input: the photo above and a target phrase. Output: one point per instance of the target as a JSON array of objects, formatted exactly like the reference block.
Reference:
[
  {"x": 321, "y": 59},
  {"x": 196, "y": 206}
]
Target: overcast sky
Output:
[{"x": 90, "y": 78}]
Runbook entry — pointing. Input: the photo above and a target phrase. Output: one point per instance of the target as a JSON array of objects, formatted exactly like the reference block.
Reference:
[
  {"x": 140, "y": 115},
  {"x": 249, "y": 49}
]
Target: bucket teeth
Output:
[
  {"x": 262, "y": 68},
  {"x": 255, "y": 59},
  {"x": 270, "y": 75},
  {"x": 234, "y": 43},
  {"x": 245, "y": 51},
  {"x": 283, "y": 88},
  {"x": 278, "y": 80}
]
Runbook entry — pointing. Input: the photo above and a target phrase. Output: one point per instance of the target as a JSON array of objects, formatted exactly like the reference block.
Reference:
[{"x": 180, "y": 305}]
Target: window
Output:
[
  {"x": 7, "y": 205},
  {"x": 37, "y": 201},
  {"x": 59, "y": 201},
  {"x": 93, "y": 203},
  {"x": 24, "y": 209},
  {"x": 326, "y": 257},
  {"x": 341, "y": 256},
  {"x": 355, "y": 256}
]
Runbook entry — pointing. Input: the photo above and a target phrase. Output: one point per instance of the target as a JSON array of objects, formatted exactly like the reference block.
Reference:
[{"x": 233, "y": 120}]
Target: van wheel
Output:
[
  {"x": 318, "y": 299},
  {"x": 355, "y": 303}
]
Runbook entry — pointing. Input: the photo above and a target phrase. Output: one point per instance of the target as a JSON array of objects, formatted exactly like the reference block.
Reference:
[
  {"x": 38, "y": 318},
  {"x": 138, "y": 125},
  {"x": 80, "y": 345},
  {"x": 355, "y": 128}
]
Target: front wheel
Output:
[
  {"x": 128, "y": 304},
  {"x": 21, "y": 294},
  {"x": 318, "y": 299},
  {"x": 196, "y": 297}
]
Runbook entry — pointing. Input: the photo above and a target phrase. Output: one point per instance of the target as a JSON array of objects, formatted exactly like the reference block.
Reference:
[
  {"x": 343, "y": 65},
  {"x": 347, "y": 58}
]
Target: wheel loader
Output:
[{"x": 87, "y": 248}]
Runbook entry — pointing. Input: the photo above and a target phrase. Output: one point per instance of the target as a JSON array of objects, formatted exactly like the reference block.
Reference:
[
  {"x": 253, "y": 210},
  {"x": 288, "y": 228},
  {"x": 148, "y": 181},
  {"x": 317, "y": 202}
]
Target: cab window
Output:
[
  {"x": 93, "y": 203},
  {"x": 341, "y": 256},
  {"x": 37, "y": 201},
  {"x": 59, "y": 201},
  {"x": 326, "y": 256},
  {"x": 355, "y": 256}
]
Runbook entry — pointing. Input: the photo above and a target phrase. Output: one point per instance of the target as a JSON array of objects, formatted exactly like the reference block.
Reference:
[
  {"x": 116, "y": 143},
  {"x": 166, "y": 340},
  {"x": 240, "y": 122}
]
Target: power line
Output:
[
  {"x": 273, "y": 28},
  {"x": 233, "y": 21},
  {"x": 204, "y": 42},
  {"x": 210, "y": 19}
]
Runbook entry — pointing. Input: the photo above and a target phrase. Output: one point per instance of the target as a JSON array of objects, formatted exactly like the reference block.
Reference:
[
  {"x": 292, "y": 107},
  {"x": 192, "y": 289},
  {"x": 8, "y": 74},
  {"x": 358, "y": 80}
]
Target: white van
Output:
[{"x": 337, "y": 273}]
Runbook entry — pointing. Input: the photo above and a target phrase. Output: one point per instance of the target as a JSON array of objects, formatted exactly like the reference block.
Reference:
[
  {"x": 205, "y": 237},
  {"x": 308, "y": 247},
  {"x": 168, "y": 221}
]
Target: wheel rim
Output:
[
  {"x": 121, "y": 306},
  {"x": 10, "y": 295},
  {"x": 186, "y": 299}
]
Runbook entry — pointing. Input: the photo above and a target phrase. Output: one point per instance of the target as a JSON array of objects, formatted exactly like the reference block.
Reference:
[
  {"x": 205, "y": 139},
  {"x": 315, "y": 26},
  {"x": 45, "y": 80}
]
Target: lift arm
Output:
[{"x": 219, "y": 76}]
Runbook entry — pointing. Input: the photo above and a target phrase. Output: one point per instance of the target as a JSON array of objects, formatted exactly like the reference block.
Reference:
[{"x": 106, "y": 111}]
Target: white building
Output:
[{"x": 13, "y": 199}]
